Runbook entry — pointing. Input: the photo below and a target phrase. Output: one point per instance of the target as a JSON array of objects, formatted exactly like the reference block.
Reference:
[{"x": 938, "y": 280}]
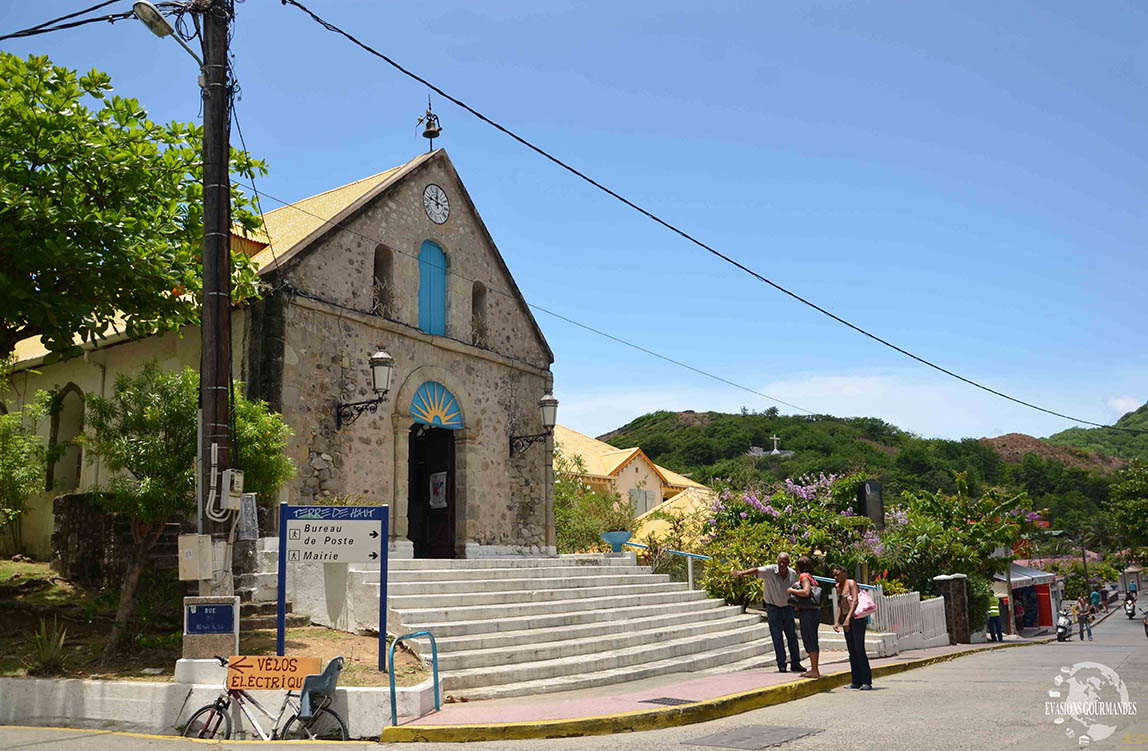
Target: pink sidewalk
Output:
[{"x": 635, "y": 696}]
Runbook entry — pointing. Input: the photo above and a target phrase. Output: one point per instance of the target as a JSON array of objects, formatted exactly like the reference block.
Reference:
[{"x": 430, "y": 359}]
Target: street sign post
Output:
[
  {"x": 333, "y": 534},
  {"x": 269, "y": 673}
]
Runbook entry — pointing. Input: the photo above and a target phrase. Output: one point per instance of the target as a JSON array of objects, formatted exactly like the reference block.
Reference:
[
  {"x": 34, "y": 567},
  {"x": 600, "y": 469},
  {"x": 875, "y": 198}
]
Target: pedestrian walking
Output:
[
  {"x": 1019, "y": 615},
  {"x": 1095, "y": 596},
  {"x": 1084, "y": 616},
  {"x": 854, "y": 606},
  {"x": 808, "y": 594},
  {"x": 778, "y": 578},
  {"x": 994, "y": 621}
]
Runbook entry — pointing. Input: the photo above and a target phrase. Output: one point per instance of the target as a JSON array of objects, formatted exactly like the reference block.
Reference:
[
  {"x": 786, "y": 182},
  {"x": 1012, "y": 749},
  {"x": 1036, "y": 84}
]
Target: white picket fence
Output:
[
  {"x": 916, "y": 624},
  {"x": 933, "y": 619}
]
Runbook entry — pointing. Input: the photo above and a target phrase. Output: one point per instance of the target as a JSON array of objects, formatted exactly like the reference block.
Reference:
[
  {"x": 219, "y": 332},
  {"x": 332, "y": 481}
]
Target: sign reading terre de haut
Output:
[{"x": 333, "y": 535}]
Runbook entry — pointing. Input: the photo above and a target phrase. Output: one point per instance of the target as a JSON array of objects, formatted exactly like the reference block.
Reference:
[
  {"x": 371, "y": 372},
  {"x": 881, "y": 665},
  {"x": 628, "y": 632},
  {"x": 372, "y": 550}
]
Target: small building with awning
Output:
[{"x": 1032, "y": 588}]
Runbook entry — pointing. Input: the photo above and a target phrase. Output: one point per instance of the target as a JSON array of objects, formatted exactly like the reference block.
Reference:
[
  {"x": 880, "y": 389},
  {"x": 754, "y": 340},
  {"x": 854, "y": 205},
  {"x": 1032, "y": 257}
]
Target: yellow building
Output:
[{"x": 627, "y": 472}]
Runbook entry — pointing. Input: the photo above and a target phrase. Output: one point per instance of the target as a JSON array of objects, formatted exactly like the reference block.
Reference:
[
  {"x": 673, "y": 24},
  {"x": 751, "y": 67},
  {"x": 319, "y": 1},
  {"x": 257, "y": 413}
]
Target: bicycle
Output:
[{"x": 311, "y": 716}]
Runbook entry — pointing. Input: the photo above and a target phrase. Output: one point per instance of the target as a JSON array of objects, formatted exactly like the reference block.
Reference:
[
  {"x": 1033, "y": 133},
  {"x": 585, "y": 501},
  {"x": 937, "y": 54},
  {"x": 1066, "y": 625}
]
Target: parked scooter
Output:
[
  {"x": 1130, "y": 609},
  {"x": 1064, "y": 626}
]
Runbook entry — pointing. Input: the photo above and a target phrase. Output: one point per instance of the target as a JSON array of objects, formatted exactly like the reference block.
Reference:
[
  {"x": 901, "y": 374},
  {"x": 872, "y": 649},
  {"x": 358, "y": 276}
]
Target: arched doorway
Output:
[{"x": 431, "y": 506}]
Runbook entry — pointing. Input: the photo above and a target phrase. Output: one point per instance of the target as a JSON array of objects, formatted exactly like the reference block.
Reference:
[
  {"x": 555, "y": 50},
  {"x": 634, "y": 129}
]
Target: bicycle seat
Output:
[{"x": 319, "y": 686}]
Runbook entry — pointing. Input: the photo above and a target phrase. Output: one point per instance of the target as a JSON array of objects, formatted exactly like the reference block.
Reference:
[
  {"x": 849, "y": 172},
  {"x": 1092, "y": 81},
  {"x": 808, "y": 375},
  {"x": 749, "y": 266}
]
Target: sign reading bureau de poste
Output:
[
  {"x": 334, "y": 534},
  {"x": 270, "y": 673}
]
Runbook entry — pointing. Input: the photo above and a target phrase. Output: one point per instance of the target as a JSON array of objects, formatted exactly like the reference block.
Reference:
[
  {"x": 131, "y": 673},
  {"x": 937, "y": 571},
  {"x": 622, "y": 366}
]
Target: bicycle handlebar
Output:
[{"x": 222, "y": 661}]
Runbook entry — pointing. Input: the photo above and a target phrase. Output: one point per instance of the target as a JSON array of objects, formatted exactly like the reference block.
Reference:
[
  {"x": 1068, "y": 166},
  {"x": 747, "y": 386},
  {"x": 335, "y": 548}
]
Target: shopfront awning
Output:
[{"x": 1023, "y": 576}]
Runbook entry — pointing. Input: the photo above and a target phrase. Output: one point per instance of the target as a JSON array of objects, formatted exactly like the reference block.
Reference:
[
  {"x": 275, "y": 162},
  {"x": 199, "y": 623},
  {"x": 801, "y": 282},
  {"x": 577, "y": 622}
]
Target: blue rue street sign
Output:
[{"x": 210, "y": 619}]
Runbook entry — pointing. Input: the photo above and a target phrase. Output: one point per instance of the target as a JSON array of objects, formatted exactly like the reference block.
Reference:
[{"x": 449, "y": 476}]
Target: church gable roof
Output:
[{"x": 291, "y": 231}]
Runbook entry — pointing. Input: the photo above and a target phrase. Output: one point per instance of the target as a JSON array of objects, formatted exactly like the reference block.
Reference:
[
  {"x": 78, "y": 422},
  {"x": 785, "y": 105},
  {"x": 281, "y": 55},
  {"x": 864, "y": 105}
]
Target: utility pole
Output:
[{"x": 215, "y": 322}]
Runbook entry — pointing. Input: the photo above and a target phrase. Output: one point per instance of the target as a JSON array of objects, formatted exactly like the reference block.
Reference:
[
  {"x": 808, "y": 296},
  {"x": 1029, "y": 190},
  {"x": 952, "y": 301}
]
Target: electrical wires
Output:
[{"x": 673, "y": 228}]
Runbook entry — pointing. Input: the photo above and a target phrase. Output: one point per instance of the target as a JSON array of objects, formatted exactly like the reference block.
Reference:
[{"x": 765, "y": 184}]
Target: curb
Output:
[{"x": 656, "y": 719}]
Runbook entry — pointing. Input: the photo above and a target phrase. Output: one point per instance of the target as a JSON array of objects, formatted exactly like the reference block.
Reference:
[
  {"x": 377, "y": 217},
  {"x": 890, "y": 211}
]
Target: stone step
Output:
[
  {"x": 293, "y": 620},
  {"x": 261, "y": 608},
  {"x": 505, "y": 623},
  {"x": 515, "y": 597},
  {"x": 747, "y": 650},
  {"x": 468, "y": 576},
  {"x": 263, "y": 586},
  {"x": 537, "y": 636},
  {"x": 493, "y": 611},
  {"x": 436, "y": 564},
  {"x": 681, "y": 647},
  {"x": 597, "y": 644}
]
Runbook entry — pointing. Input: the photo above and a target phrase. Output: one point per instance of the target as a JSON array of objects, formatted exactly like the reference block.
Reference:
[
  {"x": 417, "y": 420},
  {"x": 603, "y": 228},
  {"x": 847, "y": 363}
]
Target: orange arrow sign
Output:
[{"x": 251, "y": 673}]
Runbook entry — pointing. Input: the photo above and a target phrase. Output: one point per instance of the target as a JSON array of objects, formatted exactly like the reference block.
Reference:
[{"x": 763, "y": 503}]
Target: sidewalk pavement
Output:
[{"x": 632, "y": 706}]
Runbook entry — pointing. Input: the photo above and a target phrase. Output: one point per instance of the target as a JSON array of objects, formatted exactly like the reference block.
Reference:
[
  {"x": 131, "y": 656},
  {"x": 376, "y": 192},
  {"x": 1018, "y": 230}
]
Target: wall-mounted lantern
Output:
[
  {"x": 548, "y": 406},
  {"x": 382, "y": 369}
]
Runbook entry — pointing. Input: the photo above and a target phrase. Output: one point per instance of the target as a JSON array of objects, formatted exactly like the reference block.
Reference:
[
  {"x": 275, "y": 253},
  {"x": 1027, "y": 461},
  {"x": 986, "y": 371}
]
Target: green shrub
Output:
[
  {"x": 47, "y": 655},
  {"x": 580, "y": 513},
  {"x": 980, "y": 596},
  {"x": 736, "y": 549}
]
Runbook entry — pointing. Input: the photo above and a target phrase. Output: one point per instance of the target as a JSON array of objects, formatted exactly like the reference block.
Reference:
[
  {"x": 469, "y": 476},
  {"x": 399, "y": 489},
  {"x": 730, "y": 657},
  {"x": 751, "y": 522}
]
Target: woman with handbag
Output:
[
  {"x": 807, "y": 595},
  {"x": 854, "y": 607}
]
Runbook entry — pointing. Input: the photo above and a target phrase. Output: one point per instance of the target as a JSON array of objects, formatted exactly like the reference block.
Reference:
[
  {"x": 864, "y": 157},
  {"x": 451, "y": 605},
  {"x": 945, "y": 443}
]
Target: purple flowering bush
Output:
[{"x": 748, "y": 527}]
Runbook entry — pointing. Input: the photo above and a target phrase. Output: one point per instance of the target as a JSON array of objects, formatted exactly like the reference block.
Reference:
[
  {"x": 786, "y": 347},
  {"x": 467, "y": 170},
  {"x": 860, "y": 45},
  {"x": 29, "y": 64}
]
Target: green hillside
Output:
[
  {"x": 705, "y": 445},
  {"x": 1112, "y": 442}
]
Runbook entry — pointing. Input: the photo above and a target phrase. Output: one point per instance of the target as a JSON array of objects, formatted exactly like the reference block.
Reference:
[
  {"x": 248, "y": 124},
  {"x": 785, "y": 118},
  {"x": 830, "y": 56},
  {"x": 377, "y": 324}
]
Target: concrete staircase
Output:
[
  {"x": 258, "y": 592},
  {"x": 517, "y": 626}
]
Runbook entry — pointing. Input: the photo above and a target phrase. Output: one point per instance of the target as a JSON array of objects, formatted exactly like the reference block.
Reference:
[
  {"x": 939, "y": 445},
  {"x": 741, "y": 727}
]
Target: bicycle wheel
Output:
[
  {"x": 324, "y": 725},
  {"x": 209, "y": 722}
]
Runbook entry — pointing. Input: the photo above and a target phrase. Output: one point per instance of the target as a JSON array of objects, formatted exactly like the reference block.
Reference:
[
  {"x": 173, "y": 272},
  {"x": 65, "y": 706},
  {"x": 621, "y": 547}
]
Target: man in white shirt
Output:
[{"x": 778, "y": 578}]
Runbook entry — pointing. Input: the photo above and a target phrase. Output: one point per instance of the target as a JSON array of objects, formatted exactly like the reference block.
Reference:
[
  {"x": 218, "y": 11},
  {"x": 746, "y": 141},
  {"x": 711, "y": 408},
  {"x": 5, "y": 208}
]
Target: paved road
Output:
[{"x": 995, "y": 700}]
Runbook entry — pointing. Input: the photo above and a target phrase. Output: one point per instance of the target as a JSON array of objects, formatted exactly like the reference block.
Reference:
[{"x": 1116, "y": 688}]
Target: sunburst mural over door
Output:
[{"x": 434, "y": 405}]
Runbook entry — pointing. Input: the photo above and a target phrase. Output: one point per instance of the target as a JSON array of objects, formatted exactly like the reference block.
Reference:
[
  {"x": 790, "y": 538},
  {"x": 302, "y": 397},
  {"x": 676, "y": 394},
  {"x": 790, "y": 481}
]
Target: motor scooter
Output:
[
  {"x": 1064, "y": 626},
  {"x": 1130, "y": 609}
]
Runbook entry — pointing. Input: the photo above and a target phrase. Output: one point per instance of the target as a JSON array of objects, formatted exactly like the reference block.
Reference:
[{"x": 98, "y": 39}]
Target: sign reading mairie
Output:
[{"x": 334, "y": 534}]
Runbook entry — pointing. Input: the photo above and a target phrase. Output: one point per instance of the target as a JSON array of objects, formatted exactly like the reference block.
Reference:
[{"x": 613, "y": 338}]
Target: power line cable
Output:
[
  {"x": 539, "y": 308},
  {"x": 35, "y": 30},
  {"x": 654, "y": 217},
  {"x": 77, "y": 13}
]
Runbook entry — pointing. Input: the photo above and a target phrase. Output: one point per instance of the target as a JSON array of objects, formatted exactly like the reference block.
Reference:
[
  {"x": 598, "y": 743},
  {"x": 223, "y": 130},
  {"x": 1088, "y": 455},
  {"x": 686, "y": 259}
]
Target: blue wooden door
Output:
[{"x": 432, "y": 289}]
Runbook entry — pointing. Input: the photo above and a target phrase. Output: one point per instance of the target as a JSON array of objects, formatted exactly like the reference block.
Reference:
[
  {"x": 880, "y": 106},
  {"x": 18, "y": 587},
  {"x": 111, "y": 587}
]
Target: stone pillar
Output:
[
  {"x": 465, "y": 445},
  {"x": 402, "y": 431},
  {"x": 954, "y": 589}
]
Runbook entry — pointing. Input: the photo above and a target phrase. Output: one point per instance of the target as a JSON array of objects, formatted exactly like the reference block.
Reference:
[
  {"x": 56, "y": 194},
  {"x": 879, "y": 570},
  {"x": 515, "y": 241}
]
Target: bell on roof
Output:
[{"x": 433, "y": 129}]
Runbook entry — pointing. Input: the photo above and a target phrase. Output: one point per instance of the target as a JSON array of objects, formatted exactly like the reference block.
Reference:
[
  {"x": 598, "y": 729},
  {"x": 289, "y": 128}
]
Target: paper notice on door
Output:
[{"x": 438, "y": 490}]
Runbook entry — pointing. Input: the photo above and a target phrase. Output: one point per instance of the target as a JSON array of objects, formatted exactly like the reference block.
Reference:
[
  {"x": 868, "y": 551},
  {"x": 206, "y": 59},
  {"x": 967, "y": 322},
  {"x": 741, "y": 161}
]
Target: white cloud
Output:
[
  {"x": 1123, "y": 404},
  {"x": 929, "y": 406}
]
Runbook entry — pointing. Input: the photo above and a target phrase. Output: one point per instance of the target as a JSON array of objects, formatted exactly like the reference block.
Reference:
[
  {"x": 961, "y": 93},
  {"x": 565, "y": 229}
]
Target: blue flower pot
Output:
[{"x": 616, "y": 539}]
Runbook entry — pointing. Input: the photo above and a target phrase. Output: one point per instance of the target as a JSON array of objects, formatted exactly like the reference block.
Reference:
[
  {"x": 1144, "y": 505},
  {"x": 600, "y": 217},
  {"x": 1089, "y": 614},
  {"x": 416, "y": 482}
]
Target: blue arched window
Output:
[{"x": 432, "y": 289}]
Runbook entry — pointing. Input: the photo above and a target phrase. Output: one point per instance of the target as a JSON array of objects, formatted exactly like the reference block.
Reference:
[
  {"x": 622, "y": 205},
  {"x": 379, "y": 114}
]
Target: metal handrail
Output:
[
  {"x": 691, "y": 557},
  {"x": 434, "y": 668}
]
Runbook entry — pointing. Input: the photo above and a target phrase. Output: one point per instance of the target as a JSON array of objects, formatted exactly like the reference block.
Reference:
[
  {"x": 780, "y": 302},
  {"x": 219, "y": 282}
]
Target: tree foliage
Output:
[
  {"x": 1112, "y": 442},
  {"x": 928, "y": 534},
  {"x": 1129, "y": 503},
  {"x": 100, "y": 211},
  {"x": 581, "y": 513},
  {"x": 22, "y": 462},
  {"x": 145, "y": 435}
]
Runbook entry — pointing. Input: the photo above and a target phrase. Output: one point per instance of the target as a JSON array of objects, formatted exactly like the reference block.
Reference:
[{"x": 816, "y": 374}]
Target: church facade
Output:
[{"x": 399, "y": 262}]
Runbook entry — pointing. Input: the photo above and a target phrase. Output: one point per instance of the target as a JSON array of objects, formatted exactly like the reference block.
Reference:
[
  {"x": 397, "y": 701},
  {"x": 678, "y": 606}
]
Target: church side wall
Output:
[{"x": 96, "y": 373}]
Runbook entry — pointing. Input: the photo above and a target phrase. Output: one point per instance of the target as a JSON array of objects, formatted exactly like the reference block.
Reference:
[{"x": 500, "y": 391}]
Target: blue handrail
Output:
[
  {"x": 700, "y": 557},
  {"x": 695, "y": 556},
  {"x": 434, "y": 668}
]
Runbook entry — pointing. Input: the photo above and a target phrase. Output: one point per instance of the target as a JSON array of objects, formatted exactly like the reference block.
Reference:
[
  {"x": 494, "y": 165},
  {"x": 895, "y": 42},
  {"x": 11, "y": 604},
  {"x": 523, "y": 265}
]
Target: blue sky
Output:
[{"x": 966, "y": 180}]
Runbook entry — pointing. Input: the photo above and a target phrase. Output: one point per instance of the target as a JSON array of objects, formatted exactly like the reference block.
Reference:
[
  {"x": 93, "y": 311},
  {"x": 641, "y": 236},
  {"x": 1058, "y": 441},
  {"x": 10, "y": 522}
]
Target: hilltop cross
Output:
[{"x": 775, "y": 439}]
